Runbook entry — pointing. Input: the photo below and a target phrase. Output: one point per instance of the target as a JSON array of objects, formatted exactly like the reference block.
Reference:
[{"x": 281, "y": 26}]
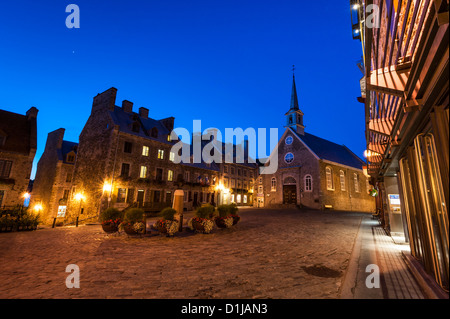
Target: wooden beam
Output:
[{"x": 389, "y": 81}]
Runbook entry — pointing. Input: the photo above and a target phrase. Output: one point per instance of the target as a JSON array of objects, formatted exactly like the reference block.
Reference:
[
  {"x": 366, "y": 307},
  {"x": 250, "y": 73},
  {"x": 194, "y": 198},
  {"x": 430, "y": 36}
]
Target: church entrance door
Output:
[{"x": 289, "y": 194}]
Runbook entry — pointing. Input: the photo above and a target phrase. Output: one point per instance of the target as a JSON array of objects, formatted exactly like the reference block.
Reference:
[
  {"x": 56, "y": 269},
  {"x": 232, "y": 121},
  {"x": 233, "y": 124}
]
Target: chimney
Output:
[
  {"x": 143, "y": 112},
  {"x": 32, "y": 113},
  {"x": 127, "y": 106},
  {"x": 106, "y": 100}
]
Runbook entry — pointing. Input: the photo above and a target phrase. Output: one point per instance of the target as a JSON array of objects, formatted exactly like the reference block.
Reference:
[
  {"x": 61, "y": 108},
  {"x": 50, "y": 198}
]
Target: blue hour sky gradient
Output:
[{"x": 227, "y": 63}]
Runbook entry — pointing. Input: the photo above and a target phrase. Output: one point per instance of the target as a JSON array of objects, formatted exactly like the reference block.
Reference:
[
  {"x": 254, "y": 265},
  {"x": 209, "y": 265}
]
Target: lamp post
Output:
[{"x": 79, "y": 197}]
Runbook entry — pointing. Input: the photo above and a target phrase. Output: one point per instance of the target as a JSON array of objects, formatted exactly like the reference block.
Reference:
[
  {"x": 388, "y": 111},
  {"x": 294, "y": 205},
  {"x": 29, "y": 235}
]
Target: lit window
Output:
[
  {"x": 160, "y": 154},
  {"x": 342, "y": 179},
  {"x": 289, "y": 158},
  {"x": 329, "y": 175},
  {"x": 274, "y": 184},
  {"x": 171, "y": 156},
  {"x": 308, "y": 183},
  {"x": 143, "y": 173},
  {"x": 145, "y": 150},
  {"x": 170, "y": 175},
  {"x": 356, "y": 180},
  {"x": 168, "y": 138}
]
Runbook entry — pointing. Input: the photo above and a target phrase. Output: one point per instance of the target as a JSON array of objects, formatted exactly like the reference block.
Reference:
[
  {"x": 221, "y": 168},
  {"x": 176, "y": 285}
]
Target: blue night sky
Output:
[{"x": 227, "y": 63}]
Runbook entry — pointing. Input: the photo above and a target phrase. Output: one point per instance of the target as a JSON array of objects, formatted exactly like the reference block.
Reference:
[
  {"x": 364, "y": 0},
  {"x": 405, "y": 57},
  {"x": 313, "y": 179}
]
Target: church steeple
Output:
[
  {"x": 294, "y": 117},
  {"x": 294, "y": 98}
]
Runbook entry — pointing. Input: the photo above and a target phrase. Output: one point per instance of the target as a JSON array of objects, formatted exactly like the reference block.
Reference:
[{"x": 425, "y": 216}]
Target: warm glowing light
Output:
[
  {"x": 355, "y": 7},
  {"x": 107, "y": 187},
  {"x": 26, "y": 195},
  {"x": 79, "y": 197},
  {"x": 368, "y": 154},
  {"x": 357, "y": 31},
  {"x": 37, "y": 207},
  {"x": 220, "y": 187}
]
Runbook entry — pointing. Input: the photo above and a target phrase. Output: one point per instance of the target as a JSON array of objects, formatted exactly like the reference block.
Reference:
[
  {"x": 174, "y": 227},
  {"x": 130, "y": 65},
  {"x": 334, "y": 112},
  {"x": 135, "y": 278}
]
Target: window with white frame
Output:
[
  {"x": 145, "y": 150},
  {"x": 342, "y": 180},
  {"x": 329, "y": 176},
  {"x": 308, "y": 183},
  {"x": 171, "y": 156},
  {"x": 161, "y": 154},
  {"x": 273, "y": 187},
  {"x": 356, "y": 180}
]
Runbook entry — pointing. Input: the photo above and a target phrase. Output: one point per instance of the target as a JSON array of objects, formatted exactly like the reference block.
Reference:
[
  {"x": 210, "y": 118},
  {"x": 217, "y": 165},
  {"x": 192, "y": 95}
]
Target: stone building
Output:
[
  {"x": 53, "y": 181},
  {"x": 18, "y": 143},
  {"x": 124, "y": 159},
  {"x": 313, "y": 172}
]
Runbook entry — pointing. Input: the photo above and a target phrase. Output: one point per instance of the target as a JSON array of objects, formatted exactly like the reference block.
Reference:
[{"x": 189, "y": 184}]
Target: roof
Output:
[
  {"x": 330, "y": 151},
  {"x": 19, "y": 132},
  {"x": 66, "y": 148},
  {"x": 125, "y": 121}
]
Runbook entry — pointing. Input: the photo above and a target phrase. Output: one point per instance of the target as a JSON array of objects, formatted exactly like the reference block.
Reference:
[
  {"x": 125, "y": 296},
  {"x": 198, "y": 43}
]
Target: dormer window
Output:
[
  {"x": 136, "y": 127},
  {"x": 70, "y": 158},
  {"x": 154, "y": 132}
]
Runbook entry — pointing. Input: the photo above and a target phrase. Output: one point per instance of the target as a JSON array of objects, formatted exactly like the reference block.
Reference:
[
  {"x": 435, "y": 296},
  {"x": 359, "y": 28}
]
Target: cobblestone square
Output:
[{"x": 275, "y": 254}]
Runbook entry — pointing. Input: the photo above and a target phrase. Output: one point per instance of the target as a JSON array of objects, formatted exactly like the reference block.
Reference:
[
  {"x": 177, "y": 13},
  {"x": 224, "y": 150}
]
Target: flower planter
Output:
[
  {"x": 224, "y": 222},
  {"x": 167, "y": 227},
  {"x": 202, "y": 225},
  {"x": 131, "y": 228},
  {"x": 110, "y": 228},
  {"x": 236, "y": 219}
]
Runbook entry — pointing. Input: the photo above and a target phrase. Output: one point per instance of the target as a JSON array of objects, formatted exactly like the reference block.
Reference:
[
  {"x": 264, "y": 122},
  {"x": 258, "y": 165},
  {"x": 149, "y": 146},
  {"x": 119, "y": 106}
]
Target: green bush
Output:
[
  {"x": 134, "y": 215},
  {"x": 223, "y": 210},
  {"x": 168, "y": 213},
  {"x": 206, "y": 211},
  {"x": 233, "y": 209},
  {"x": 111, "y": 214},
  {"x": 226, "y": 210}
]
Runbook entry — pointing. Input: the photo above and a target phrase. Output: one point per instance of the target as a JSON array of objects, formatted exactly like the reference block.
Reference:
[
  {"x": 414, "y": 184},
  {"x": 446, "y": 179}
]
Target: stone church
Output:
[{"x": 313, "y": 172}]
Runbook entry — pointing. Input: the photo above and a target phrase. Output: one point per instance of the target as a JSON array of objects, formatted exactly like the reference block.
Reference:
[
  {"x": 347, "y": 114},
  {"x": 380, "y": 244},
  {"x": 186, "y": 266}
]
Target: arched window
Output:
[
  {"x": 342, "y": 180},
  {"x": 329, "y": 175},
  {"x": 273, "y": 184},
  {"x": 356, "y": 180},
  {"x": 308, "y": 183}
]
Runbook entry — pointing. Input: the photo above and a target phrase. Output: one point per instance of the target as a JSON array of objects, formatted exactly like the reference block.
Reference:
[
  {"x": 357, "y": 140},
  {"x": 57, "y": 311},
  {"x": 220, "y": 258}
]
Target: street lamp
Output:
[{"x": 79, "y": 197}]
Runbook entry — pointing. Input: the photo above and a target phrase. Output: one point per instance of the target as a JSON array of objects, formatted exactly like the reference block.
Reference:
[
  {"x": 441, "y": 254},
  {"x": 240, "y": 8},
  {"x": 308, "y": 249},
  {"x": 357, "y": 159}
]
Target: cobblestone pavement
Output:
[{"x": 276, "y": 254}]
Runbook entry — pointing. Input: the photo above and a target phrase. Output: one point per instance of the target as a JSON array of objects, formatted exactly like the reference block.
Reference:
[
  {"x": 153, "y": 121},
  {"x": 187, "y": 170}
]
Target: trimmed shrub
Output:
[
  {"x": 111, "y": 214},
  {"x": 223, "y": 210},
  {"x": 206, "y": 211},
  {"x": 168, "y": 213},
  {"x": 134, "y": 215}
]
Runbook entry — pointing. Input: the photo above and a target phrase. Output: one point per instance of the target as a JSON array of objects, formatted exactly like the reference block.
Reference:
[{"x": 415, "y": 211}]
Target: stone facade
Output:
[
  {"x": 124, "y": 160},
  {"x": 54, "y": 175},
  {"x": 18, "y": 143}
]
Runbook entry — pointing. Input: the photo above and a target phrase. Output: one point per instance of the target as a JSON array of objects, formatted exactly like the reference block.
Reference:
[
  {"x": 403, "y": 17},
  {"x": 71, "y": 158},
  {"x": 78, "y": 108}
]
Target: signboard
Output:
[{"x": 61, "y": 211}]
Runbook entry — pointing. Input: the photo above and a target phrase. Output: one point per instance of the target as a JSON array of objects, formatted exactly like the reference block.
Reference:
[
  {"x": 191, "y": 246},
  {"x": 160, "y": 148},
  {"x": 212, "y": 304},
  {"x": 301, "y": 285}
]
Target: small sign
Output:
[
  {"x": 61, "y": 211},
  {"x": 394, "y": 199}
]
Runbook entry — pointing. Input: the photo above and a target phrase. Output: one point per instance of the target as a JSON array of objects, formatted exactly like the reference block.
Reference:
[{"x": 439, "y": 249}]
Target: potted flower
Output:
[
  {"x": 133, "y": 222},
  {"x": 202, "y": 222},
  {"x": 233, "y": 212},
  {"x": 224, "y": 220},
  {"x": 168, "y": 224},
  {"x": 111, "y": 218}
]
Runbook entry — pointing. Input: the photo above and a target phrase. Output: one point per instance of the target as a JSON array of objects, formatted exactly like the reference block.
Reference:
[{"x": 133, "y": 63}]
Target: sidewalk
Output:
[{"x": 374, "y": 247}]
